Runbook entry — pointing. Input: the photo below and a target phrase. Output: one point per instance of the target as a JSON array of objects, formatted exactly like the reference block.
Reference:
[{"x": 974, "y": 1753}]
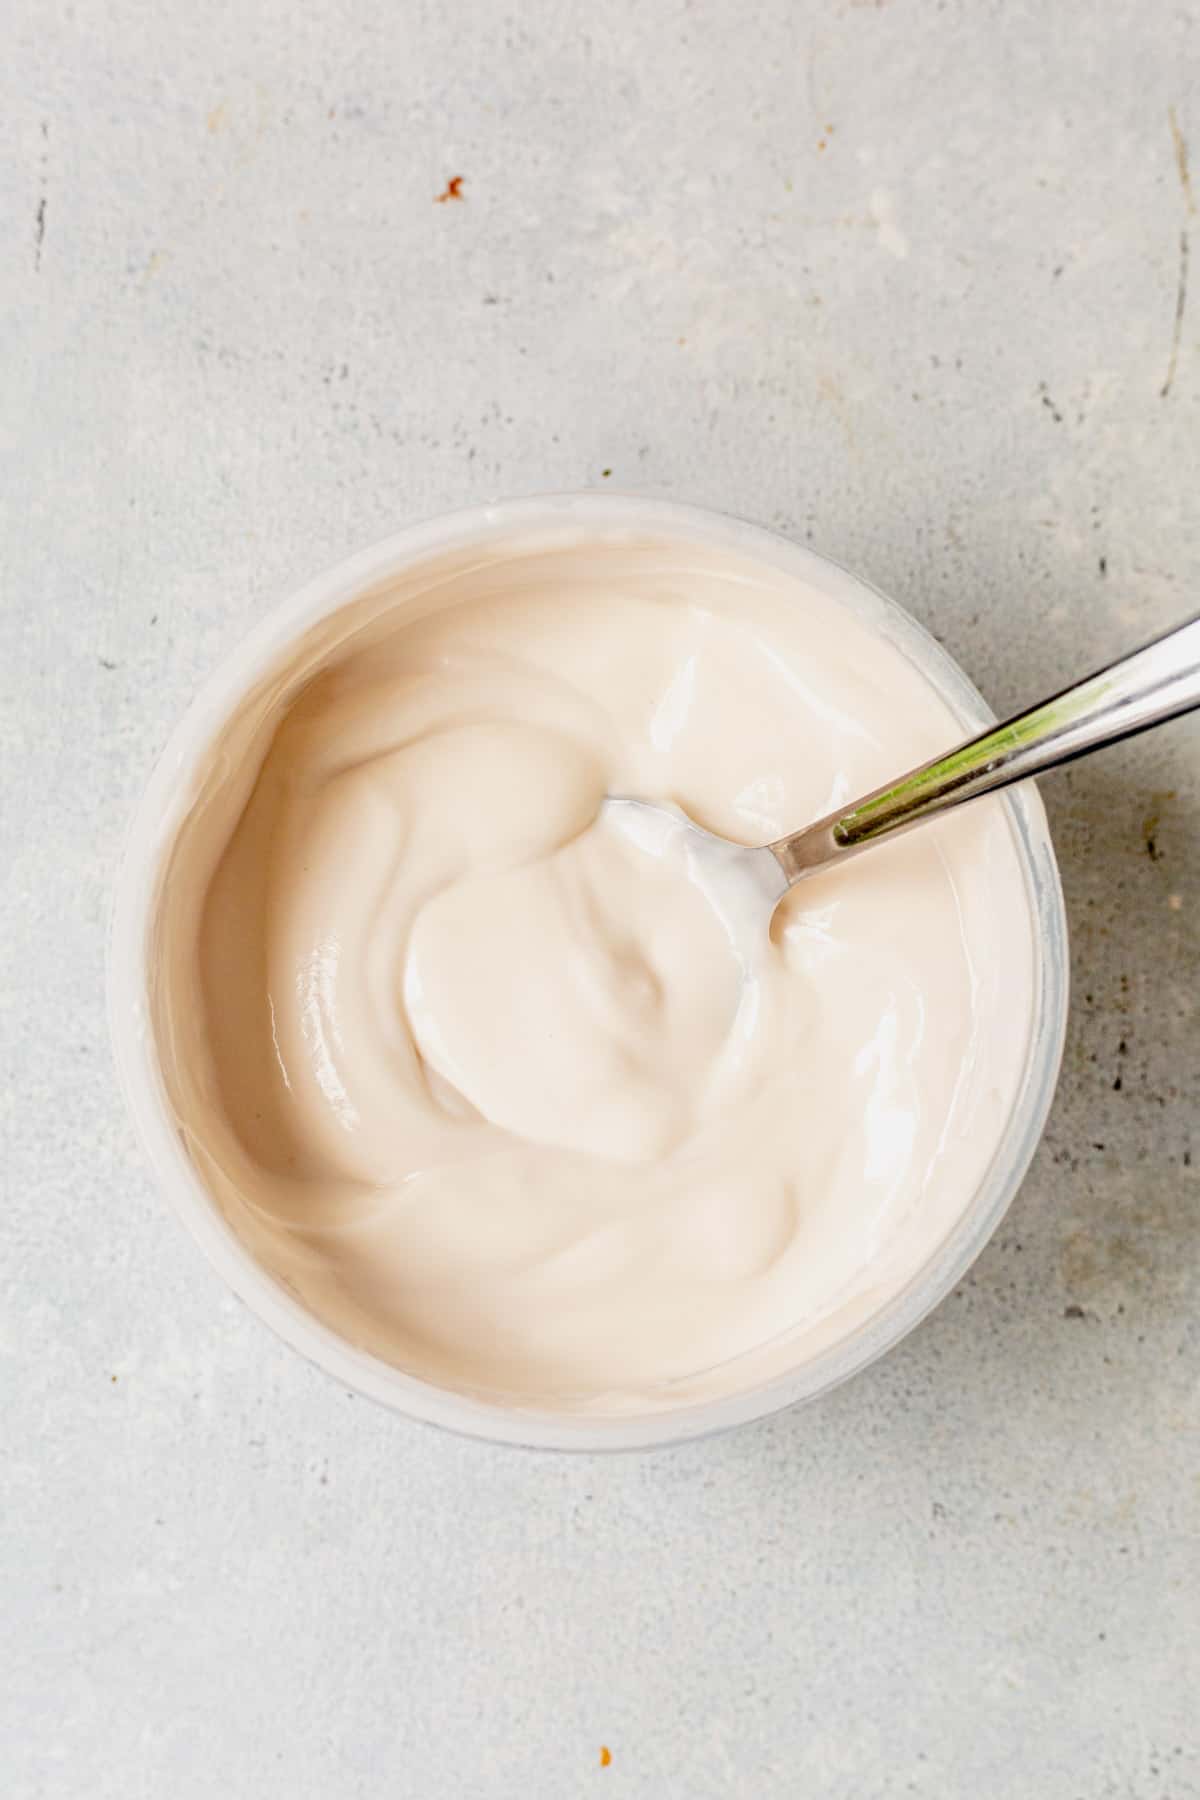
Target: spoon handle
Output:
[{"x": 1155, "y": 683}]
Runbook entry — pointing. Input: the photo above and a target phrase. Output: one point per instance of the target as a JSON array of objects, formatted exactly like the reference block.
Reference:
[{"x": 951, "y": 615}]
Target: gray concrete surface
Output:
[{"x": 903, "y": 279}]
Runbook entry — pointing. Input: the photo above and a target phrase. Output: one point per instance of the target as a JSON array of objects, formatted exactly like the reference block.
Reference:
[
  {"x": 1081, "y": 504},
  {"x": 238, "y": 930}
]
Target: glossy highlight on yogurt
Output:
[{"x": 504, "y": 1097}]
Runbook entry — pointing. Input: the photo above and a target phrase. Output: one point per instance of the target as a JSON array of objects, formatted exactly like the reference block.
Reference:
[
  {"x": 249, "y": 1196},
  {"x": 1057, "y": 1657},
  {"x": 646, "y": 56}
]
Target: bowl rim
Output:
[{"x": 165, "y": 800}]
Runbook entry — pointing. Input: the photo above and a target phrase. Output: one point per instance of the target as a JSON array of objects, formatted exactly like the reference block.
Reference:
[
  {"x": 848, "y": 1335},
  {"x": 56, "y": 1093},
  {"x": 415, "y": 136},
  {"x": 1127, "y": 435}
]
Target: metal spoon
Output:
[{"x": 1155, "y": 683}]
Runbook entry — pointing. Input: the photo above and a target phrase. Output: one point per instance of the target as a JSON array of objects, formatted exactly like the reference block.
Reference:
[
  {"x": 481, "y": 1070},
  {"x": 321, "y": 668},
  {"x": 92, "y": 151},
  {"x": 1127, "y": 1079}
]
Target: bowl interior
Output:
[{"x": 165, "y": 802}]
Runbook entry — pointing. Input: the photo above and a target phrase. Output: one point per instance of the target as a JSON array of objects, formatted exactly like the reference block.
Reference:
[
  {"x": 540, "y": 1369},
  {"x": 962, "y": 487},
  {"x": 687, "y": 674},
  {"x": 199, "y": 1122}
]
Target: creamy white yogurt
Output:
[{"x": 488, "y": 1086}]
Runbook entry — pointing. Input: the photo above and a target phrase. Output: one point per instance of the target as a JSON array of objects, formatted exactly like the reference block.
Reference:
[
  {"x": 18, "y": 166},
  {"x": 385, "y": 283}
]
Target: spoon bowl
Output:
[{"x": 742, "y": 884}]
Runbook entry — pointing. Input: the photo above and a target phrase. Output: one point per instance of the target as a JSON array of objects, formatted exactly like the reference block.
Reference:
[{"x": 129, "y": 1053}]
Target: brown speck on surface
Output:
[
  {"x": 1181, "y": 161},
  {"x": 1180, "y": 309},
  {"x": 112, "y": 1378},
  {"x": 1104, "y": 565},
  {"x": 452, "y": 190},
  {"x": 605, "y": 1756},
  {"x": 1175, "y": 902},
  {"x": 1152, "y": 820},
  {"x": 1189, "y": 212},
  {"x": 1048, "y": 403},
  {"x": 1073, "y": 1312},
  {"x": 820, "y": 143},
  {"x": 216, "y": 117},
  {"x": 605, "y": 473},
  {"x": 39, "y": 217}
]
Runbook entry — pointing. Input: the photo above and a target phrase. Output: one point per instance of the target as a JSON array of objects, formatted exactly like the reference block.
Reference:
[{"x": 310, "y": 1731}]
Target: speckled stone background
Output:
[{"x": 907, "y": 280}]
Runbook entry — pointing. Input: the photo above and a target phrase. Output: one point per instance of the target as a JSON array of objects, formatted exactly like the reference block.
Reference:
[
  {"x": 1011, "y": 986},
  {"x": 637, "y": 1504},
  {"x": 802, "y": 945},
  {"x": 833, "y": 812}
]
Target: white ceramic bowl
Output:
[{"x": 163, "y": 806}]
